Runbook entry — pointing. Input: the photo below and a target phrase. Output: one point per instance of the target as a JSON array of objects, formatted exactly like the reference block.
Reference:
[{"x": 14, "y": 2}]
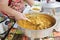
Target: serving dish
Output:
[{"x": 40, "y": 33}]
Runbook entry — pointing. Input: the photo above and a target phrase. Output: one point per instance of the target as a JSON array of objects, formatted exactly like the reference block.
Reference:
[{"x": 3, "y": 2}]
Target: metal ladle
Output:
[
  {"x": 30, "y": 22},
  {"x": 33, "y": 23}
]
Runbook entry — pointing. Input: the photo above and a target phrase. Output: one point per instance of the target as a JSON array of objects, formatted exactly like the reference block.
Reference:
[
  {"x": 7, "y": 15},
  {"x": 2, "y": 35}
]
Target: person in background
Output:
[
  {"x": 58, "y": 0},
  {"x": 14, "y": 8}
]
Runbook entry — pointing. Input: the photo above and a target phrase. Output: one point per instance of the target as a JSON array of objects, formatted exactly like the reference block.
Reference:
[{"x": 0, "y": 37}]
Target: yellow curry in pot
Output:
[{"x": 44, "y": 21}]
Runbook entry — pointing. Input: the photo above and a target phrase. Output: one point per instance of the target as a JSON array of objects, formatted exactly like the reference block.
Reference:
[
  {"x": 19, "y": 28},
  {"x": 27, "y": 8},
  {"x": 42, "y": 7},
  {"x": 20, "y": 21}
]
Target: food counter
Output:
[{"x": 16, "y": 34}]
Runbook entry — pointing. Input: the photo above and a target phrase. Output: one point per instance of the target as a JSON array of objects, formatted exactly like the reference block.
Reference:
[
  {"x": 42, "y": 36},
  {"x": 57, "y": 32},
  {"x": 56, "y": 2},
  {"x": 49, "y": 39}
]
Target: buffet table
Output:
[
  {"x": 54, "y": 36},
  {"x": 16, "y": 34}
]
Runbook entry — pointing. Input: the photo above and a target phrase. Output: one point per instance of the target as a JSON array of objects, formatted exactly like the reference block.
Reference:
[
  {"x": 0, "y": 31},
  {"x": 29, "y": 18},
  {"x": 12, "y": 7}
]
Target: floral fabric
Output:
[{"x": 17, "y": 5}]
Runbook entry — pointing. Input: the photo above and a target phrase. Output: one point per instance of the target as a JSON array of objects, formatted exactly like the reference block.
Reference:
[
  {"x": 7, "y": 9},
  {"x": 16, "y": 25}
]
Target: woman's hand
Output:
[
  {"x": 21, "y": 16},
  {"x": 11, "y": 12}
]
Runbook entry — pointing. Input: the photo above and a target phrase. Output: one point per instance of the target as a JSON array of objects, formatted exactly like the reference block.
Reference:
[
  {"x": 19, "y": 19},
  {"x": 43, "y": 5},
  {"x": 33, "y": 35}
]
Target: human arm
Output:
[{"x": 9, "y": 11}]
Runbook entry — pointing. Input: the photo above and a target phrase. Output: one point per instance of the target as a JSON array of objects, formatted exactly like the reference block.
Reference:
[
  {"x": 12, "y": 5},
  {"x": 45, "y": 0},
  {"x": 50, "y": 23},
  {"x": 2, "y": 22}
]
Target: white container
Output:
[
  {"x": 1, "y": 28},
  {"x": 36, "y": 7},
  {"x": 2, "y": 19}
]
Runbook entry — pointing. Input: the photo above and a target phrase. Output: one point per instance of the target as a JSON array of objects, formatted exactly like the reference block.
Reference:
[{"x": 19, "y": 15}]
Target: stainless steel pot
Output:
[{"x": 41, "y": 33}]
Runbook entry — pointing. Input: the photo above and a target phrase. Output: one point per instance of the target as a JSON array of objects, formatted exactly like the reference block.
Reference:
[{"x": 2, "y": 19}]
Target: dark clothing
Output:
[{"x": 58, "y": 0}]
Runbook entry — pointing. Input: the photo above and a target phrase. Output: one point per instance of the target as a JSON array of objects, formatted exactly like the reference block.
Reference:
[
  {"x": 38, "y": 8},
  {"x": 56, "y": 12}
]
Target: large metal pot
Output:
[{"x": 41, "y": 33}]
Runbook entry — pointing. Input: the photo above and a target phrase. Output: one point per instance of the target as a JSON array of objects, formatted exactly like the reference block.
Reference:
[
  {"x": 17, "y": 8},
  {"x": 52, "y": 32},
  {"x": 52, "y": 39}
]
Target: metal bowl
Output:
[{"x": 40, "y": 33}]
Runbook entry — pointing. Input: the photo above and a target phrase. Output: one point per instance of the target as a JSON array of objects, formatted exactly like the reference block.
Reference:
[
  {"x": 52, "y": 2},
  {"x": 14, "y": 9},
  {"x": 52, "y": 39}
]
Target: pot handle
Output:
[{"x": 57, "y": 28}]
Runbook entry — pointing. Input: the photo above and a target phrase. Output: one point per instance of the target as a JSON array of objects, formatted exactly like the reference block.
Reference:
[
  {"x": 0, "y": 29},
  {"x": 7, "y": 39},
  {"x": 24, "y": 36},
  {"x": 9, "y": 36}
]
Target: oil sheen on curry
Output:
[{"x": 45, "y": 21}]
